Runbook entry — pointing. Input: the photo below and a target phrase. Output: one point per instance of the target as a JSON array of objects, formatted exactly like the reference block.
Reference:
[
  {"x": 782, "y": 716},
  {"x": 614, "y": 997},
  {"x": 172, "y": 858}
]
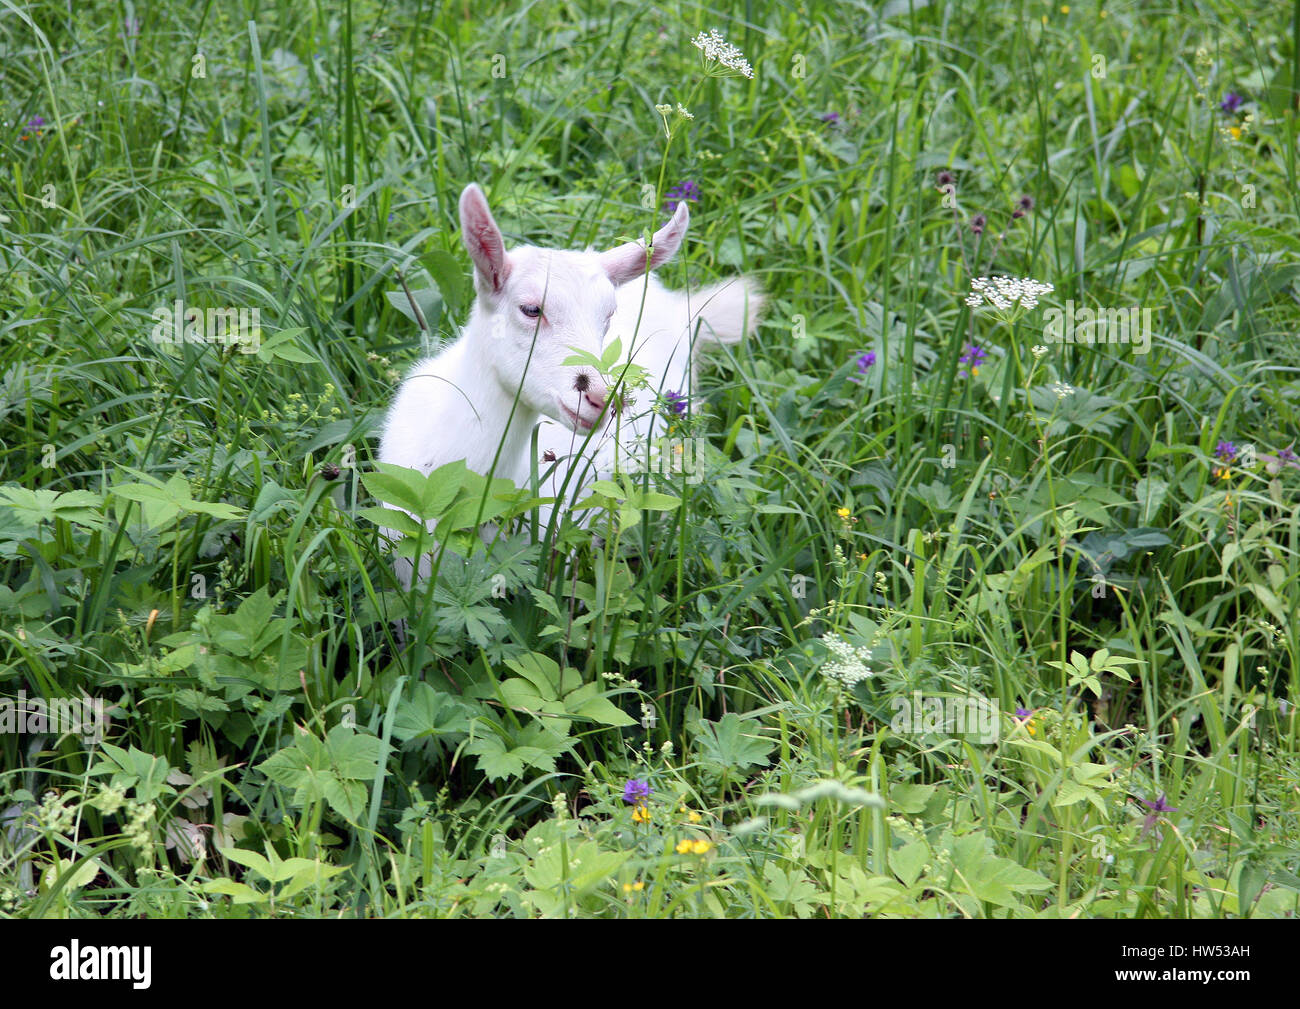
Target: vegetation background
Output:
[{"x": 739, "y": 700}]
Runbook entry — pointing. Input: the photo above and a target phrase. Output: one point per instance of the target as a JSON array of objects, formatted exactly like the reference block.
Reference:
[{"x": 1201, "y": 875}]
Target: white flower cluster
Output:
[
  {"x": 849, "y": 665},
  {"x": 1004, "y": 293},
  {"x": 716, "y": 49}
]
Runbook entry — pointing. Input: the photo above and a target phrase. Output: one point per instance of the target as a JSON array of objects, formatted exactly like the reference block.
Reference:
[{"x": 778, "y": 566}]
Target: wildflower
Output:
[
  {"x": 833, "y": 118},
  {"x": 683, "y": 847},
  {"x": 1225, "y": 452},
  {"x": 944, "y": 179},
  {"x": 1023, "y": 206},
  {"x": 693, "y": 816},
  {"x": 700, "y": 847},
  {"x": 1039, "y": 350},
  {"x": 687, "y": 191},
  {"x": 640, "y": 813},
  {"x": 683, "y": 115},
  {"x": 675, "y": 402},
  {"x": 35, "y": 123},
  {"x": 1005, "y": 293},
  {"x": 636, "y": 791},
  {"x": 974, "y": 356},
  {"x": 1231, "y": 103},
  {"x": 844, "y": 513},
  {"x": 636, "y": 887},
  {"x": 1235, "y": 132},
  {"x": 1062, "y": 389},
  {"x": 1157, "y": 807},
  {"x": 978, "y": 223},
  {"x": 848, "y": 664},
  {"x": 864, "y": 362},
  {"x": 717, "y": 50},
  {"x": 1025, "y": 717}
]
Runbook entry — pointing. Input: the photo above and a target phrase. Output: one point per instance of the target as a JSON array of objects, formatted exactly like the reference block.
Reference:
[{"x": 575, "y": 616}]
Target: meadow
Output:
[{"x": 975, "y": 596}]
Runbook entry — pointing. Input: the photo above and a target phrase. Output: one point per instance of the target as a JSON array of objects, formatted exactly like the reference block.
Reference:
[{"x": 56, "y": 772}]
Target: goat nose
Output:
[{"x": 596, "y": 397}]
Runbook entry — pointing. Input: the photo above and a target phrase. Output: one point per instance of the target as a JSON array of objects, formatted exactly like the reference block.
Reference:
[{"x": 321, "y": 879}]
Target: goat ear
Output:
[
  {"x": 483, "y": 240},
  {"x": 627, "y": 262}
]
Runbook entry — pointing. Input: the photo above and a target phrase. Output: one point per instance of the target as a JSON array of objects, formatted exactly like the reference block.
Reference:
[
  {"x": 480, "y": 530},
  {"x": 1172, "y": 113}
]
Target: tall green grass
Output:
[{"x": 183, "y": 528}]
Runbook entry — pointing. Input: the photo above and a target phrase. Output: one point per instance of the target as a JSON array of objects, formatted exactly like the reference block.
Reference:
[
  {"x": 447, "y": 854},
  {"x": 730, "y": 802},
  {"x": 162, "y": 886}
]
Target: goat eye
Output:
[{"x": 532, "y": 311}]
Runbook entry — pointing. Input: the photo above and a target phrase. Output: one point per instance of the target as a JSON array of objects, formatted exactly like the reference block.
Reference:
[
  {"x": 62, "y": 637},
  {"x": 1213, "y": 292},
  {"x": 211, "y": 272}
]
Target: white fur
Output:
[
  {"x": 674, "y": 326},
  {"x": 458, "y": 404}
]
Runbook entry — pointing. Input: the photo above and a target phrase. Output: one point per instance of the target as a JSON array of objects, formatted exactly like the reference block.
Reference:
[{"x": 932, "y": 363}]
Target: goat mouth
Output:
[{"x": 576, "y": 420}]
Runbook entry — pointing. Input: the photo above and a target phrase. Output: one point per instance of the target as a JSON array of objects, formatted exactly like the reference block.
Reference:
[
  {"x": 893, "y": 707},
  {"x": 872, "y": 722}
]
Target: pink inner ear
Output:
[
  {"x": 627, "y": 262},
  {"x": 489, "y": 255},
  {"x": 483, "y": 238}
]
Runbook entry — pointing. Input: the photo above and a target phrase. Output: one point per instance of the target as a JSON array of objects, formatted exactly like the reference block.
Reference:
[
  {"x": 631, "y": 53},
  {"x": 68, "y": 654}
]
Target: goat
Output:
[{"x": 480, "y": 398}]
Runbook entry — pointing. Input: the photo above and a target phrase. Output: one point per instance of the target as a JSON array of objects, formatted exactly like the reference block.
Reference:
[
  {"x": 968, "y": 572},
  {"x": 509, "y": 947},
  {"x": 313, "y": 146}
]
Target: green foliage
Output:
[{"x": 1066, "y": 573}]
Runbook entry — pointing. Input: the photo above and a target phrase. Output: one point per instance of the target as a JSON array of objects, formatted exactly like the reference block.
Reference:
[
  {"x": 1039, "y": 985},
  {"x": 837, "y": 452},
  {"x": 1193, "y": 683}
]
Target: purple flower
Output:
[
  {"x": 675, "y": 402},
  {"x": 1231, "y": 102},
  {"x": 1226, "y": 451},
  {"x": 864, "y": 362},
  {"x": 686, "y": 191},
  {"x": 1157, "y": 807},
  {"x": 131, "y": 28},
  {"x": 636, "y": 791},
  {"x": 1023, "y": 712},
  {"x": 978, "y": 223},
  {"x": 1286, "y": 456},
  {"x": 36, "y": 122},
  {"x": 974, "y": 356},
  {"x": 831, "y": 117}
]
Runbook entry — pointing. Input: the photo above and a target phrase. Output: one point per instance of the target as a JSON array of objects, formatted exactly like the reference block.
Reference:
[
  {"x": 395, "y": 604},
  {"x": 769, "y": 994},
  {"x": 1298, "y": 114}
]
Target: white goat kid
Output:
[
  {"x": 533, "y": 308},
  {"x": 673, "y": 327}
]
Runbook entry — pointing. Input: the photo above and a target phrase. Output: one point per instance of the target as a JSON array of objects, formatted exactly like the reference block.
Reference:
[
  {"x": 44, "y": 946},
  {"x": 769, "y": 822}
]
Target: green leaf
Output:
[
  {"x": 589, "y": 702},
  {"x": 907, "y": 861},
  {"x": 426, "y": 497},
  {"x": 535, "y": 747},
  {"x": 991, "y": 877},
  {"x": 725, "y": 744}
]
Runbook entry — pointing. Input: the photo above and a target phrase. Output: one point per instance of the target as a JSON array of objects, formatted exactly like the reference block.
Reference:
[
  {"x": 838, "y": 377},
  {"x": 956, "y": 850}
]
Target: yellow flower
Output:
[
  {"x": 974, "y": 372},
  {"x": 683, "y": 847},
  {"x": 1235, "y": 131},
  {"x": 640, "y": 814},
  {"x": 694, "y": 816},
  {"x": 1065, "y": 8},
  {"x": 700, "y": 847},
  {"x": 844, "y": 513},
  {"x": 636, "y": 887}
]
